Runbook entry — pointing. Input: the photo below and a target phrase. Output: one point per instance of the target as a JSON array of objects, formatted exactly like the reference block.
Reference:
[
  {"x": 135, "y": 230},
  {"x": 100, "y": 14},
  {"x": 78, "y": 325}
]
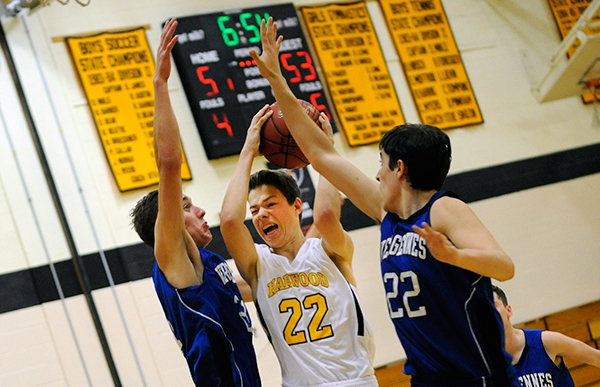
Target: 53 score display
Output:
[{"x": 222, "y": 83}]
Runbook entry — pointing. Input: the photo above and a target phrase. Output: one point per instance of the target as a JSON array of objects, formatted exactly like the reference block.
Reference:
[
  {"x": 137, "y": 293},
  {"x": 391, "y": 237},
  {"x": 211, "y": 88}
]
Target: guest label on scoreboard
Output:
[
  {"x": 432, "y": 63},
  {"x": 355, "y": 70},
  {"x": 116, "y": 70},
  {"x": 222, "y": 83}
]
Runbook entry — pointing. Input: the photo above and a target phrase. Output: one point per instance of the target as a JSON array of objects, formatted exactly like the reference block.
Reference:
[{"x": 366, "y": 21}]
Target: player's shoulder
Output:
[{"x": 448, "y": 202}]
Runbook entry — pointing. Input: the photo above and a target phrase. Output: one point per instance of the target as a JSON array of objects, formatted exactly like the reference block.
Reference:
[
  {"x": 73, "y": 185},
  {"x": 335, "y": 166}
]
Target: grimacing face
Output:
[{"x": 274, "y": 219}]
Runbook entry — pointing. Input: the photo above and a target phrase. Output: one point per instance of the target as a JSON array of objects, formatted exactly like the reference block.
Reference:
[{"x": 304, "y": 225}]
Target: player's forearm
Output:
[
  {"x": 490, "y": 263},
  {"x": 167, "y": 145},
  {"x": 233, "y": 211}
]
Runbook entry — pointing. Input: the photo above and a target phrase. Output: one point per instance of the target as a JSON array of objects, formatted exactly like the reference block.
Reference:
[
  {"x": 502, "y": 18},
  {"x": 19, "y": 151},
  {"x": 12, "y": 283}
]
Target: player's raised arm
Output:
[
  {"x": 326, "y": 214},
  {"x": 175, "y": 250},
  {"x": 236, "y": 235},
  {"x": 362, "y": 191}
]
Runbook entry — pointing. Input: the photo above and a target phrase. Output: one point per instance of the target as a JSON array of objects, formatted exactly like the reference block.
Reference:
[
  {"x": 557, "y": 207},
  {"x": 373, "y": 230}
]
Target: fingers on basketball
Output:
[{"x": 276, "y": 142}]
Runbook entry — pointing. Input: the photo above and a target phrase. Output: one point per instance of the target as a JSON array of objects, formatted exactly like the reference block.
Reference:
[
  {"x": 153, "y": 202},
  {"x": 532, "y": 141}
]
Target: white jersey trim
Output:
[{"x": 222, "y": 330}]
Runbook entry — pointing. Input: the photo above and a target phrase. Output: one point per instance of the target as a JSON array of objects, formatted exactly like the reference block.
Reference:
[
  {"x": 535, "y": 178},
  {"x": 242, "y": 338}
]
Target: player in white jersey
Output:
[
  {"x": 315, "y": 308},
  {"x": 302, "y": 286}
]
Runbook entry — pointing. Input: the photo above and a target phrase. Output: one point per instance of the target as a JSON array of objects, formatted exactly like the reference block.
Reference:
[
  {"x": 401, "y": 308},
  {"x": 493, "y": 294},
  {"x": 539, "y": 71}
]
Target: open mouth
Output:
[{"x": 270, "y": 228}]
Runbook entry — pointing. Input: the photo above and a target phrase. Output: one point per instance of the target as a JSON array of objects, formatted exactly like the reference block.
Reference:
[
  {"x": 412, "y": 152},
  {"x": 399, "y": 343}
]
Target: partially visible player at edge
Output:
[
  {"x": 538, "y": 354},
  {"x": 195, "y": 287},
  {"x": 436, "y": 255}
]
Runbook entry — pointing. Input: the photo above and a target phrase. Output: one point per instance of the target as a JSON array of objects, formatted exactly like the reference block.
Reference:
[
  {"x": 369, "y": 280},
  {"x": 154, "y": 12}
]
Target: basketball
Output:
[{"x": 276, "y": 142}]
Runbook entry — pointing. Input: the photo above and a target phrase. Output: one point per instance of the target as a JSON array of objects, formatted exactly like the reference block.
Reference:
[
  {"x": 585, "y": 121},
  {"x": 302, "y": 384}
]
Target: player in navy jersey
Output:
[
  {"x": 538, "y": 355},
  {"x": 437, "y": 257},
  {"x": 196, "y": 288}
]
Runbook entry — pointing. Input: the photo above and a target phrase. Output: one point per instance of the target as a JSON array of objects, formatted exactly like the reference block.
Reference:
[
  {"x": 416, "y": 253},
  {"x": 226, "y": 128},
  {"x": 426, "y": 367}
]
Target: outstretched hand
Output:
[
  {"x": 252, "y": 142},
  {"x": 438, "y": 244},
  {"x": 326, "y": 125},
  {"x": 163, "y": 54},
  {"x": 268, "y": 61}
]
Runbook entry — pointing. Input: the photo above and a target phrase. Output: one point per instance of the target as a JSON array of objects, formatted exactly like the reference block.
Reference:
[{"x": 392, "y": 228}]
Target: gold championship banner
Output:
[
  {"x": 566, "y": 13},
  {"x": 432, "y": 63},
  {"x": 116, "y": 71},
  {"x": 355, "y": 70}
]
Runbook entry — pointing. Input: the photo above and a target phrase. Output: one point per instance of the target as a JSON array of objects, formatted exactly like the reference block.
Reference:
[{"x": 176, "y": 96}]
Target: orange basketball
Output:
[{"x": 276, "y": 142}]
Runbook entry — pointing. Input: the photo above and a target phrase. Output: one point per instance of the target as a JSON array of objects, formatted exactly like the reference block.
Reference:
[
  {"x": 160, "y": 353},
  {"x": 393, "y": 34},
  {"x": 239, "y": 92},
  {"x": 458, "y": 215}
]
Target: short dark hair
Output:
[
  {"x": 279, "y": 179},
  {"x": 143, "y": 217},
  {"x": 424, "y": 149},
  {"x": 501, "y": 295}
]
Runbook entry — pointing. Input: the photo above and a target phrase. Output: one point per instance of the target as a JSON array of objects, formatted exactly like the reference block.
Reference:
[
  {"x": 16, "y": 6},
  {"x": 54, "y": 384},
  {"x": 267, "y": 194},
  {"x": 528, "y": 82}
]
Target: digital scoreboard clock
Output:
[{"x": 223, "y": 85}]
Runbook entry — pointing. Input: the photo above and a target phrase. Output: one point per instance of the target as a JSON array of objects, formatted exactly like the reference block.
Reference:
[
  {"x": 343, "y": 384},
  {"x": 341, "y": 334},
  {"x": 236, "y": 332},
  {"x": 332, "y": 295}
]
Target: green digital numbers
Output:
[{"x": 230, "y": 35}]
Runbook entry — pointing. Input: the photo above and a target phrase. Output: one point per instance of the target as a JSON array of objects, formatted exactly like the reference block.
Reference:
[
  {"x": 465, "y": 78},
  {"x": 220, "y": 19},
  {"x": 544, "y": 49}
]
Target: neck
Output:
[
  {"x": 291, "y": 247},
  {"x": 515, "y": 343},
  {"x": 412, "y": 200}
]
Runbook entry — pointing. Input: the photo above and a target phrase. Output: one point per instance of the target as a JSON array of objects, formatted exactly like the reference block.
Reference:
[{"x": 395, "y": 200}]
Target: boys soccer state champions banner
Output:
[{"x": 116, "y": 71}]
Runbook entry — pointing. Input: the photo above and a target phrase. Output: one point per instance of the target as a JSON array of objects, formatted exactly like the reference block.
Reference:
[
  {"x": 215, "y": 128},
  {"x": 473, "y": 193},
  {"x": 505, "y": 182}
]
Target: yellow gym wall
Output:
[{"x": 551, "y": 231}]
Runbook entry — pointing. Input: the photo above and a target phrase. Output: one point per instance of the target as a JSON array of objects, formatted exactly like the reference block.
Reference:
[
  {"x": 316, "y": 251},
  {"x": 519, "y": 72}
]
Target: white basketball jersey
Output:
[{"x": 313, "y": 319}]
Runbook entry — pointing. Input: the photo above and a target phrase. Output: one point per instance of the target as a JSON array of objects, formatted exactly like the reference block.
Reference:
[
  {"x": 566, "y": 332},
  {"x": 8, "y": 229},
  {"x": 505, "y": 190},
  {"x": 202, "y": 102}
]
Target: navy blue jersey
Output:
[
  {"x": 444, "y": 315},
  {"x": 535, "y": 368},
  {"x": 212, "y": 325}
]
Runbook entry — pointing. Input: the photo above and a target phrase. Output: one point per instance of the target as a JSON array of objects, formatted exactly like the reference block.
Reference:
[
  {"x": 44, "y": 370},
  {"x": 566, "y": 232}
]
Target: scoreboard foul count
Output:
[{"x": 222, "y": 83}]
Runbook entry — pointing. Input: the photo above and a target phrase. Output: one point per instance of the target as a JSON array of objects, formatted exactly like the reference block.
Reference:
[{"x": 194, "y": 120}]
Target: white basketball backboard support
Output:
[{"x": 567, "y": 76}]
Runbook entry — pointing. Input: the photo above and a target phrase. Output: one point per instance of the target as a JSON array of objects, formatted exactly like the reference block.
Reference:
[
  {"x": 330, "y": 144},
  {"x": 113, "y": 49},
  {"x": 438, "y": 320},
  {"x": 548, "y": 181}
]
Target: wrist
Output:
[
  {"x": 247, "y": 152},
  {"x": 160, "y": 82}
]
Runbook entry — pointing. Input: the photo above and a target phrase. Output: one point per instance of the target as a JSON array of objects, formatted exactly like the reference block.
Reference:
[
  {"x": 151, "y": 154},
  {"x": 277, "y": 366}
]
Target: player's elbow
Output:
[
  {"x": 325, "y": 217},
  {"x": 507, "y": 271},
  {"x": 227, "y": 219},
  {"x": 229, "y": 223},
  {"x": 168, "y": 162}
]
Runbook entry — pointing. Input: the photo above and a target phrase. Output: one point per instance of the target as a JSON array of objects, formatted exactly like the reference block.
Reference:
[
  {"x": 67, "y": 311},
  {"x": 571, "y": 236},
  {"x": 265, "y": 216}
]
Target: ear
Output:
[
  {"x": 401, "y": 171},
  {"x": 298, "y": 206},
  {"x": 509, "y": 311}
]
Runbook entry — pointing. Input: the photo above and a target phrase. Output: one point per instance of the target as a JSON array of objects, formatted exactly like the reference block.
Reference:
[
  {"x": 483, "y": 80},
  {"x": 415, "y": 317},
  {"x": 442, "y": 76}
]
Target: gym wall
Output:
[{"x": 530, "y": 172}]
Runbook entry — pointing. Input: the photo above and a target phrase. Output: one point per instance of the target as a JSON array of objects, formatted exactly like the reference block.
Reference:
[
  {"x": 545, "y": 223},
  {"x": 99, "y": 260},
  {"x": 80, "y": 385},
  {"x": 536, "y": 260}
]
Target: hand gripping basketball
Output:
[{"x": 276, "y": 142}]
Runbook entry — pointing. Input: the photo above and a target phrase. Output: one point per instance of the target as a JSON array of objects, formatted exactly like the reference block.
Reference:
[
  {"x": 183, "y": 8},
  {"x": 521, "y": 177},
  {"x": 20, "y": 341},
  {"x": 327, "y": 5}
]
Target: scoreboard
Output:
[{"x": 222, "y": 83}]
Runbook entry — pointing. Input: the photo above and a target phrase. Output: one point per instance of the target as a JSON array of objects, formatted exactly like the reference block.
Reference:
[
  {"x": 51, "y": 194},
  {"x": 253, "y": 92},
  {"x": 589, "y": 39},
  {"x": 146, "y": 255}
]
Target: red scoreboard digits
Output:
[{"x": 222, "y": 83}]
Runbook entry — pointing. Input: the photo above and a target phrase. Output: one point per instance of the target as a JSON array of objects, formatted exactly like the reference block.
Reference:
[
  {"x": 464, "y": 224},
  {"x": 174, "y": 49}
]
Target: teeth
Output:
[{"x": 269, "y": 228}]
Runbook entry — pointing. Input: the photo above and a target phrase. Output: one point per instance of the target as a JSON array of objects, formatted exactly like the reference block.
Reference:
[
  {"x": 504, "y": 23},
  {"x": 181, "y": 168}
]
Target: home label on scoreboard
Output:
[
  {"x": 223, "y": 86},
  {"x": 355, "y": 70},
  {"x": 432, "y": 64}
]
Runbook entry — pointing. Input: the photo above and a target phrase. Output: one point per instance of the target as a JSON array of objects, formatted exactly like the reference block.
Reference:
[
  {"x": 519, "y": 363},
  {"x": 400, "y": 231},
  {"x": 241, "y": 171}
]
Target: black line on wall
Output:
[
  {"x": 487, "y": 183},
  {"x": 30, "y": 287}
]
